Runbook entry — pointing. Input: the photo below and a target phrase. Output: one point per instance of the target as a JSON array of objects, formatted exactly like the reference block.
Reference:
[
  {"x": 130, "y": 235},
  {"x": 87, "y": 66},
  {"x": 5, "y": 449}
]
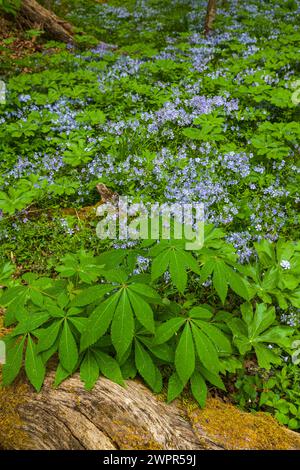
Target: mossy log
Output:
[
  {"x": 32, "y": 14},
  {"x": 113, "y": 417}
]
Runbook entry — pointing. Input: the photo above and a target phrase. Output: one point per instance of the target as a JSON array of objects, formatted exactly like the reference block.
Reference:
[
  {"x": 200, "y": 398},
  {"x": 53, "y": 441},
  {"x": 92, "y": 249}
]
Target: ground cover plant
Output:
[{"x": 170, "y": 116}]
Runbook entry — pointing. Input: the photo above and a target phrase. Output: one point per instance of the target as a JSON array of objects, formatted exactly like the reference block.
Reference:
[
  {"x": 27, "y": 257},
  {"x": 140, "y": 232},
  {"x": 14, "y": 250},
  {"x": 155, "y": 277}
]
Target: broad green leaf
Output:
[
  {"x": 90, "y": 295},
  {"x": 142, "y": 310},
  {"x": 122, "y": 327},
  {"x": 177, "y": 271},
  {"x": 14, "y": 358},
  {"x": 145, "y": 365},
  {"x": 109, "y": 367},
  {"x": 206, "y": 351},
  {"x": 60, "y": 375},
  {"x": 247, "y": 313},
  {"x": 266, "y": 357},
  {"x": 48, "y": 336},
  {"x": 175, "y": 387},
  {"x": 200, "y": 312},
  {"x": 185, "y": 355},
  {"x": 145, "y": 291},
  {"x": 264, "y": 317},
  {"x": 221, "y": 342},
  {"x": 219, "y": 280},
  {"x": 34, "y": 367},
  {"x": 68, "y": 352},
  {"x": 199, "y": 388},
  {"x": 99, "y": 321},
  {"x": 89, "y": 370},
  {"x": 212, "y": 378},
  {"x": 168, "y": 329},
  {"x": 160, "y": 265},
  {"x": 237, "y": 283}
]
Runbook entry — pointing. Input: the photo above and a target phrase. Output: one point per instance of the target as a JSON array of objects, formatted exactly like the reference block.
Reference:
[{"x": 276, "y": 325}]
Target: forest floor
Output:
[{"x": 171, "y": 116}]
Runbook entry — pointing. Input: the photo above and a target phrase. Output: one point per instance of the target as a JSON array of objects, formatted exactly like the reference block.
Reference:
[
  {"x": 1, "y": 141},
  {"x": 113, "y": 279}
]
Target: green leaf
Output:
[
  {"x": 90, "y": 295},
  {"x": 212, "y": 378},
  {"x": 99, "y": 321},
  {"x": 145, "y": 365},
  {"x": 14, "y": 357},
  {"x": 221, "y": 342},
  {"x": 247, "y": 313},
  {"x": 142, "y": 310},
  {"x": 34, "y": 367},
  {"x": 237, "y": 283},
  {"x": 160, "y": 265},
  {"x": 200, "y": 312},
  {"x": 206, "y": 350},
  {"x": 122, "y": 328},
  {"x": 89, "y": 370},
  {"x": 177, "y": 272},
  {"x": 266, "y": 357},
  {"x": 145, "y": 291},
  {"x": 219, "y": 280},
  {"x": 168, "y": 329},
  {"x": 48, "y": 336},
  {"x": 60, "y": 375},
  {"x": 185, "y": 355},
  {"x": 109, "y": 367},
  {"x": 175, "y": 387},
  {"x": 68, "y": 352},
  {"x": 199, "y": 388},
  {"x": 263, "y": 318}
]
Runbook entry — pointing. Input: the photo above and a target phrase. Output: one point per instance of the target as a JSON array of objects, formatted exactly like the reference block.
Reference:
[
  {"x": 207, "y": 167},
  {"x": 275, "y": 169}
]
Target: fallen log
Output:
[
  {"x": 32, "y": 14},
  {"x": 114, "y": 417}
]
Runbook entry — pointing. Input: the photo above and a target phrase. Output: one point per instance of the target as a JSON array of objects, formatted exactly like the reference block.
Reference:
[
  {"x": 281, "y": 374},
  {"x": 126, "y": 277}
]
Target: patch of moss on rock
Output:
[{"x": 233, "y": 429}]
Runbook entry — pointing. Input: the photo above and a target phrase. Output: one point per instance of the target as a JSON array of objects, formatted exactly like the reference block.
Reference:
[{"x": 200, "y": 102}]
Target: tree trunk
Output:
[
  {"x": 210, "y": 16},
  {"x": 32, "y": 14},
  {"x": 112, "y": 417}
]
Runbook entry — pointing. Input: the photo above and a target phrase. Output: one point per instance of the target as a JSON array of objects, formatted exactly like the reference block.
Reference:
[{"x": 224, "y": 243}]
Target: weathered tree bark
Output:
[
  {"x": 31, "y": 14},
  {"x": 112, "y": 417},
  {"x": 210, "y": 16}
]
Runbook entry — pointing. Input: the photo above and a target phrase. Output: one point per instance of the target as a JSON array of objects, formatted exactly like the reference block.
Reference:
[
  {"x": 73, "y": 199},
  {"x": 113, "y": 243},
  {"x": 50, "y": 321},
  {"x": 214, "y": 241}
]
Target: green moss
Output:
[
  {"x": 233, "y": 429},
  {"x": 128, "y": 437}
]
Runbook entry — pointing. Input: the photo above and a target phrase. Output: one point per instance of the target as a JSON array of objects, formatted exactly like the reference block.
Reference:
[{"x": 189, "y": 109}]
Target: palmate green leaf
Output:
[
  {"x": 160, "y": 265},
  {"x": 206, "y": 350},
  {"x": 14, "y": 358},
  {"x": 177, "y": 271},
  {"x": 168, "y": 329},
  {"x": 199, "y": 388},
  {"x": 237, "y": 283},
  {"x": 142, "y": 311},
  {"x": 122, "y": 327},
  {"x": 200, "y": 313},
  {"x": 89, "y": 370},
  {"x": 31, "y": 322},
  {"x": 185, "y": 355},
  {"x": 61, "y": 374},
  {"x": 219, "y": 339},
  {"x": 146, "y": 366},
  {"x": 48, "y": 336},
  {"x": 175, "y": 387},
  {"x": 164, "y": 352},
  {"x": 90, "y": 295},
  {"x": 145, "y": 291},
  {"x": 264, "y": 317},
  {"x": 99, "y": 321},
  {"x": 220, "y": 280},
  {"x": 109, "y": 367},
  {"x": 68, "y": 352},
  {"x": 212, "y": 378},
  {"x": 34, "y": 367},
  {"x": 266, "y": 357}
]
